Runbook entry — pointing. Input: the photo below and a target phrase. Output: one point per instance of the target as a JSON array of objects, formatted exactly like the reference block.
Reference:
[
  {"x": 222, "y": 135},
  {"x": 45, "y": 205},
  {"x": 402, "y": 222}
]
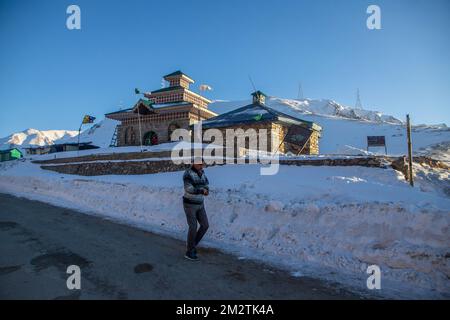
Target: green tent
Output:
[{"x": 10, "y": 154}]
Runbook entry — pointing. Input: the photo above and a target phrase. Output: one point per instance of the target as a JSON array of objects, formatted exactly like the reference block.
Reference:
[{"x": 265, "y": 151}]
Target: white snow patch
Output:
[
  {"x": 329, "y": 222},
  {"x": 100, "y": 134}
]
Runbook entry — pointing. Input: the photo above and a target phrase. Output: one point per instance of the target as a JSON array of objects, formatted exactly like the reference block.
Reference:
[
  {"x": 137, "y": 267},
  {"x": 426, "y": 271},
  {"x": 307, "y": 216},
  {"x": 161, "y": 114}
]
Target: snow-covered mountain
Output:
[
  {"x": 320, "y": 107},
  {"x": 33, "y": 137},
  {"x": 99, "y": 134}
]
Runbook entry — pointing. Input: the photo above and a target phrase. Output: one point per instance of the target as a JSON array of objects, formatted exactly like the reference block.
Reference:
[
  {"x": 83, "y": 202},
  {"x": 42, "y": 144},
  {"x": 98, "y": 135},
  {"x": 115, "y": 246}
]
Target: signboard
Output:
[{"x": 376, "y": 141}]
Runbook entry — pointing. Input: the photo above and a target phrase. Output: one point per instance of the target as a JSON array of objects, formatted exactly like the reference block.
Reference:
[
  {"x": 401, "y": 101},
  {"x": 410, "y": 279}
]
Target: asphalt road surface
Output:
[{"x": 39, "y": 241}]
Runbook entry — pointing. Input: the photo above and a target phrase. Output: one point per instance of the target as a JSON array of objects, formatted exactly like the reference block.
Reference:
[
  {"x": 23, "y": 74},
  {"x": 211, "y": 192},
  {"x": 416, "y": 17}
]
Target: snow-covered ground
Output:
[{"x": 328, "y": 222}]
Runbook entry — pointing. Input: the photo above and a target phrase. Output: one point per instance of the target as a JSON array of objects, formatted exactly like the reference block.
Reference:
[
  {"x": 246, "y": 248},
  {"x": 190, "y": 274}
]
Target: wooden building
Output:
[
  {"x": 160, "y": 112},
  {"x": 60, "y": 147},
  {"x": 10, "y": 154},
  {"x": 284, "y": 132}
]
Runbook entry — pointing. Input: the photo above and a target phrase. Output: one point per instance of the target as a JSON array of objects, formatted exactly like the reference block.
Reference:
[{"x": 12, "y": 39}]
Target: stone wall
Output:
[
  {"x": 120, "y": 168},
  {"x": 100, "y": 164},
  {"x": 109, "y": 156},
  {"x": 401, "y": 164},
  {"x": 161, "y": 128},
  {"x": 148, "y": 167},
  {"x": 243, "y": 135},
  {"x": 373, "y": 162},
  {"x": 276, "y": 133}
]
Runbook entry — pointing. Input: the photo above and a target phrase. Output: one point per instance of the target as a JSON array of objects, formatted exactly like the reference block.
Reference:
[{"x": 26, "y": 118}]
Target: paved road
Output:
[{"x": 38, "y": 241}]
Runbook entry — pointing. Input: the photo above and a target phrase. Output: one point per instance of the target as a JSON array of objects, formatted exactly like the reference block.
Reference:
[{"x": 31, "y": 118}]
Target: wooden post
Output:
[
  {"x": 79, "y": 132},
  {"x": 139, "y": 121},
  {"x": 410, "y": 159}
]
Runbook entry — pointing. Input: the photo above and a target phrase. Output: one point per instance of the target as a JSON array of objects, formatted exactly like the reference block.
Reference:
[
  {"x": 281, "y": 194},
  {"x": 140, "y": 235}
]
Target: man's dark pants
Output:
[{"x": 194, "y": 213}]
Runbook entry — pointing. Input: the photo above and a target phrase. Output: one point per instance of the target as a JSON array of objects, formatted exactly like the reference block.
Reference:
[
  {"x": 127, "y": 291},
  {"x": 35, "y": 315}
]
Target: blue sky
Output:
[{"x": 51, "y": 76}]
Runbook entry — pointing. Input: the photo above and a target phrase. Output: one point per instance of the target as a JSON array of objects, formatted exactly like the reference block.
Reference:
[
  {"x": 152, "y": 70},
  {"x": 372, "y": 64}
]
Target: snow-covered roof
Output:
[
  {"x": 167, "y": 89},
  {"x": 253, "y": 113},
  {"x": 120, "y": 111},
  {"x": 171, "y": 104},
  {"x": 178, "y": 73}
]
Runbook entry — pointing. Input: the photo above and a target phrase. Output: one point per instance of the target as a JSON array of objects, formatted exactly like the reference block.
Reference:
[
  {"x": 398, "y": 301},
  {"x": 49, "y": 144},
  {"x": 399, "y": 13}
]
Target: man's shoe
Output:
[{"x": 190, "y": 255}]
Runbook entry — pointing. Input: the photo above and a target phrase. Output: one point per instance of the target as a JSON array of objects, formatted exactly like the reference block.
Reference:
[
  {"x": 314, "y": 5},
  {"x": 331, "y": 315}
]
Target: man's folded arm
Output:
[{"x": 189, "y": 187}]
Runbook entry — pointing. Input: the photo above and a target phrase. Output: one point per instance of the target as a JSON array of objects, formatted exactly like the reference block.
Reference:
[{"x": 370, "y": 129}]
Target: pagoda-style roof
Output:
[
  {"x": 120, "y": 111},
  {"x": 254, "y": 113},
  {"x": 144, "y": 106},
  {"x": 167, "y": 89},
  {"x": 176, "y": 95},
  {"x": 259, "y": 93},
  {"x": 178, "y": 74},
  {"x": 141, "y": 102},
  {"x": 259, "y": 97},
  {"x": 171, "y": 104}
]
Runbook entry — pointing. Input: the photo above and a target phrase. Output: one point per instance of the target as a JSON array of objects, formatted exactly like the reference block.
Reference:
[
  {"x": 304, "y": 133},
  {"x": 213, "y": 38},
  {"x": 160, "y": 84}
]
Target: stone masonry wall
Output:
[
  {"x": 148, "y": 167},
  {"x": 161, "y": 128},
  {"x": 120, "y": 168},
  {"x": 109, "y": 156},
  {"x": 272, "y": 130}
]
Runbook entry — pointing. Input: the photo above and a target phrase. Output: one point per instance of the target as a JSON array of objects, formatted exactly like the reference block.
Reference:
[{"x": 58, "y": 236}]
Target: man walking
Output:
[{"x": 196, "y": 186}]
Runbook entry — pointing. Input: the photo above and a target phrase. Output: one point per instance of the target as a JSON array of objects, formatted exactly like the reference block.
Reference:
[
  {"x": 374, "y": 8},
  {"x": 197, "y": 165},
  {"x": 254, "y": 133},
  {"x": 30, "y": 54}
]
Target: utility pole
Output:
[
  {"x": 78, "y": 144},
  {"x": 136, "y": 91},
  {"x": 410, "y": 159},
  {"x": 140, "y": 130}
]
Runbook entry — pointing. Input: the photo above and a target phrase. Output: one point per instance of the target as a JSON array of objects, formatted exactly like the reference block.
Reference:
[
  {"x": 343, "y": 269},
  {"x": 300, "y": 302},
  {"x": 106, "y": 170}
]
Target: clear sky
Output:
[{"x": 51, "y": 76}]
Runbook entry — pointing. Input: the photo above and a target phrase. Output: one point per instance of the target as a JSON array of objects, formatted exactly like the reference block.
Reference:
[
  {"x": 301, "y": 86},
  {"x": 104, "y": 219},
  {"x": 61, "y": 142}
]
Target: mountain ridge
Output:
[{"x": 33, "y": 137}]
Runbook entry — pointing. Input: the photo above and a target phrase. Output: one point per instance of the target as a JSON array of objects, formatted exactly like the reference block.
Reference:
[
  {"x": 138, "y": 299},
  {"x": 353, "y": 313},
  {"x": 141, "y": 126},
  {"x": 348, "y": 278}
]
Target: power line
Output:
[
  {"x": 251, "y": 81},
  {"x": 300, "y": 92},
  {"x": 358, "y": 104}
]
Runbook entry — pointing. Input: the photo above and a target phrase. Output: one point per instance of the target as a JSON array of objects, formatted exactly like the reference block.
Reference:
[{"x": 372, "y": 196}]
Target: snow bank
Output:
[{"x": 325, "y": 222}]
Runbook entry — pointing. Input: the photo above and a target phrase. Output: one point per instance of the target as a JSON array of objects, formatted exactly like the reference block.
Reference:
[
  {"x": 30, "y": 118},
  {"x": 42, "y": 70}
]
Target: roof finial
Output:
[{"x": 259, "y": 97}]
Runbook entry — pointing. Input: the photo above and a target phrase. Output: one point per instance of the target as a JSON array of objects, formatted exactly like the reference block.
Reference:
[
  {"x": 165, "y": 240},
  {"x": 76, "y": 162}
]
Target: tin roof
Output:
[{"x": 254, "y": 113}]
